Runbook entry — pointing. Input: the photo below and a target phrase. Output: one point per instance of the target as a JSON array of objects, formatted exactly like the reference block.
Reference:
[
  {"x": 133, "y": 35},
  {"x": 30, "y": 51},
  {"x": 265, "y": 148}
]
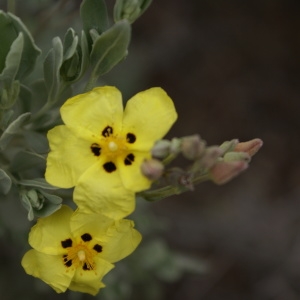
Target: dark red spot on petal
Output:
[
  {"x": 107, "y": 131},
  {"x": 68, "y": 263},
  {"x": 109, "y": 167},
  {"x": 129, "y": 159},
  {"x": 130, "y": 138},
  {"x": 96, "y": 149},
  {"x": 98, "y": 248},
  {"x": 86, "y": 237},
  {"x": 66, "y": 243}
]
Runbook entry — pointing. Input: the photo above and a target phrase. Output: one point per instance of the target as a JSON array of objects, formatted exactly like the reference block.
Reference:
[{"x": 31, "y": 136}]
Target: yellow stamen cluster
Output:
[{"x": 81, "y": 257}]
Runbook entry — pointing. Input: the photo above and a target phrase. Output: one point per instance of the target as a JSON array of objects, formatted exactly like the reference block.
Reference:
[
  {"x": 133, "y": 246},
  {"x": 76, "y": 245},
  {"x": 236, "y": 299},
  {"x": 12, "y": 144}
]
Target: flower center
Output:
[
  {"x": 112, "y": 146},
  {"x": 81, "y": 255}
]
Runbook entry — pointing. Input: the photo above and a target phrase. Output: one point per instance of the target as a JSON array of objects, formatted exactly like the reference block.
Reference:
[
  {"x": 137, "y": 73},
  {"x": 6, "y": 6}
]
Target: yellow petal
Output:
[
  {"x": 91, "y": 287},
  {"x": 121, "y": 240},
  {"x": 46, "y": 236},
  {"x": 89, "y": 281},
  {"x": 100, "y": 192},
  {"x": 94, "y": 110},
  {"x": 148, "y": 115},
  {"x": 117, "y": 238},
  {"x": 69, "y": 158},
  {"x": 48, "y": 268},
  {"x": 131, "y": 175}
]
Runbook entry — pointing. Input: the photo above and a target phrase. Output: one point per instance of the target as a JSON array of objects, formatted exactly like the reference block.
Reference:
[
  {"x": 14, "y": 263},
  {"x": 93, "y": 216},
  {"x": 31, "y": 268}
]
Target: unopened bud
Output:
[
  {"x": 223, "y": 172},
  {"x": 175, "y": 145},
  {"x": 34, "y": 199},
  {"x": 192, "y": 147},
  {"x": 152, "y": 169},
  {"x": 237, "y": 156},
  {"x": 209, "y": 158},
  {"x": 250, "y": 147},
  {"x": 229, "y": 145},
  {"x": 161, "y": 149}
]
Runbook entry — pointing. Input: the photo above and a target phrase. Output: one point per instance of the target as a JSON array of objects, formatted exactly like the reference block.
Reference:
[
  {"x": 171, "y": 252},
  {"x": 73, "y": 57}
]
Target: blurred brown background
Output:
[{"x": 232, "y": 69}]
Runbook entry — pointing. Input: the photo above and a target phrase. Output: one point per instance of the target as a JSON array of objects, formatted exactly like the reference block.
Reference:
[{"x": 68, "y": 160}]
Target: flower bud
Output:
[
  {"x": 208, "y": 159},
  {"x": 229, "y": 145},
  {"x": 152, "y": 169},
  {"x": 237, "y": 156},
  {"x": 223, "y": 172},
  {"x": 175, "y": 145},
  {"x": 36, "y": 200},
  {"x": 161, "y": 149},
  {"x": 130, "y": 9},
  {"x": 250, "y": 147},
  {"x": 192, "y": 147}
]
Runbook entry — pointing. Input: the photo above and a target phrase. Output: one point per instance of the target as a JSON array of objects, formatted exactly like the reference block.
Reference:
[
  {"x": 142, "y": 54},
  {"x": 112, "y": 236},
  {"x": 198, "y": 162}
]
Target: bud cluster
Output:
[{"x": 219, "y": 164}]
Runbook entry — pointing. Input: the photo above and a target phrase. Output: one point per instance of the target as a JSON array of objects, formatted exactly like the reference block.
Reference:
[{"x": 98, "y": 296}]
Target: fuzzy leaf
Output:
[
  {"x": 13, "y": 59},
  {"x": 52, "y": 65},
  {"x": 36, "y": 141},
  {"x": 25, "y": 160},
  {"x": 5, "y": 182},
  {"x": 93, "y": 14},
  {"x": 9, "y": 95},
  {"x": 13, "y": 129},
  {"x": 70, "y": 44},
  {"x": 39, "y": 183},
  {"x": 110, "y": 48},
  {"x": 7, "y": 35},
  {"x": 30, "y": 51}
]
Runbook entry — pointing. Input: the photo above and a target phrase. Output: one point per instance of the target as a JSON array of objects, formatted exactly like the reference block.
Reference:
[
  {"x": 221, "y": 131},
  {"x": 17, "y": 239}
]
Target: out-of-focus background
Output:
[{"x": 232, "y": 69}]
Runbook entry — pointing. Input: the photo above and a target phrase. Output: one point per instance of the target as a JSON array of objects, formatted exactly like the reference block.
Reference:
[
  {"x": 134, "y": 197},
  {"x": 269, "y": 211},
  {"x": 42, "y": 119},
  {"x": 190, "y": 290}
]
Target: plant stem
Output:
[{"x": 167, "y": 191}]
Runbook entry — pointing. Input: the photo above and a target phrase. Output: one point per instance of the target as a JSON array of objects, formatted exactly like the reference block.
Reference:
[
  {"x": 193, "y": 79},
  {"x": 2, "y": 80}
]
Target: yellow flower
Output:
[
  {"x": 75, "y": 250},
  {"x": 105, "y": 143}
]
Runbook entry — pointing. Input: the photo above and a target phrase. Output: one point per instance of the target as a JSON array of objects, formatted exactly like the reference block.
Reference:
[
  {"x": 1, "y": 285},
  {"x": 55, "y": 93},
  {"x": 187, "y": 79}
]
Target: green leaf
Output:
[
  {"x": 93, "y": 14},
  {"x": 6, "y": 118},
  {"x": 84, "y": 54},
  {"x": 130, "y": 9},
  {"x": 70, "y": 44},
  {"x": 13, "y": 129},
  {"x": 5, "y": 182},
  {"x": 30, "y": 51},
  {"x": 25, "y": 160},
  {"x": 110, "y": 48},
  {"x": 76, "y": 59},
  {"x": 39, "y": 95},
  {"x": 39, "y": 203},
  {"x": 7, "y": 35},
  {"x": 13, "y": 59},
  {"x": 39, "y": 183},
  {"x": 36, "y": 141},
  {"x": 9, "y": 95},
  {"x": 47, "y": 210},
  {"x": 52, "y": 65},
  {"x": 52, "y": 198}
]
